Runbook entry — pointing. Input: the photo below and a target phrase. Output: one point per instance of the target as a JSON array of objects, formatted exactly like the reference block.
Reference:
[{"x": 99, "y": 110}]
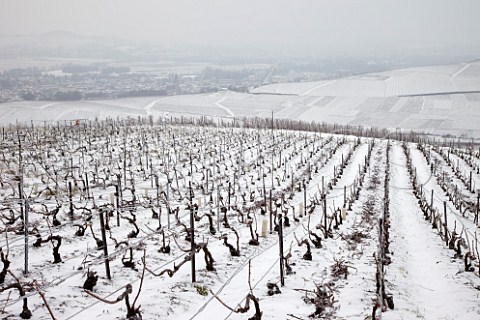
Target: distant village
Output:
[
  {"x": 80, "y": 82},
  {"x": 100, "y": 80}
]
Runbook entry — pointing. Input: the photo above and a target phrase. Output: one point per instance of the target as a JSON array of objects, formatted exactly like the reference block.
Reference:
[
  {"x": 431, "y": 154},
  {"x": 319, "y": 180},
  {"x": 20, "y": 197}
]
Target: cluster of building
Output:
[{"x": 35, "y": 84}]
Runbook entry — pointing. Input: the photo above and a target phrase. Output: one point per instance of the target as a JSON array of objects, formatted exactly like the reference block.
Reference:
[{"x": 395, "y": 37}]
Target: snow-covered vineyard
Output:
[{"x": 136, "y": 219}]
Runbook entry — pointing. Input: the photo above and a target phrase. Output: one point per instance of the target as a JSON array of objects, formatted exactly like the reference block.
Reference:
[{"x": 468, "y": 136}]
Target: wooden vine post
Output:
[
  {"x": 264, "y": 190},
  {"x": 218, "y": 208},
  {"x": 168, "y": 205},
  {"x": 229, "y": 193},
  {"x": 157, "y": 186},
  {"x": 292, "y": 186},
  {"x": 271, "y": 212},
  {"x": 117, "y": 199},
  {"x": 280, "y": 244},
  {"x": 87, "y": 184},
  {"x": 192, "y": 234},
  {"x": 304, "y": 200},
  {"x": 70, "y": 200},
  {"x": 380, "y": 282},
  {"x": 470, "y": 182},
  {"x": 119, "y": 183},
  {"x": 477, "y": 209},
  {"x": 273, "y": 167},
  {"x": 325, "y": 212},
  {"x": 445, "y": 223},
  {"x": 206, "y": 183},
  {"x": 105, "y": 249},
  {"x": 25, "y": 229}
]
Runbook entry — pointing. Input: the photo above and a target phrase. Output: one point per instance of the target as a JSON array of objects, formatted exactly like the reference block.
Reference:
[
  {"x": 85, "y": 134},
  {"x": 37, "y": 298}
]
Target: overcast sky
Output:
[{"x": 307, "y": 24}]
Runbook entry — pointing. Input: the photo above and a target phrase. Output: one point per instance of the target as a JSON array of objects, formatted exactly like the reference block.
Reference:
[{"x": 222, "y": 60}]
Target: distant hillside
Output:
[{"x": 440, "y": 99}]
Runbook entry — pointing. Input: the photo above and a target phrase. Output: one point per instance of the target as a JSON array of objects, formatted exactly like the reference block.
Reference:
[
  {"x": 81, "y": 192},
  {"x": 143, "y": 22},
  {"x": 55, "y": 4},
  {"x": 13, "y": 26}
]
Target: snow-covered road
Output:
[{"x": 425, "y": 281}]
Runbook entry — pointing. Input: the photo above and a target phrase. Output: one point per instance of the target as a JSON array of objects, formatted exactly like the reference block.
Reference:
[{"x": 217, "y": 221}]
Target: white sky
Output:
[{"x": 312, "y": 25}]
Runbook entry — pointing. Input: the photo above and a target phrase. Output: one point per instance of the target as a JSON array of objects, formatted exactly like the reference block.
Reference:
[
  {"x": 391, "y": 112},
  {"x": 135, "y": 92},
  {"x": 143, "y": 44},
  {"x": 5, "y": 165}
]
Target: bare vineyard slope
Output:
[{"x": 199, "y": 219}]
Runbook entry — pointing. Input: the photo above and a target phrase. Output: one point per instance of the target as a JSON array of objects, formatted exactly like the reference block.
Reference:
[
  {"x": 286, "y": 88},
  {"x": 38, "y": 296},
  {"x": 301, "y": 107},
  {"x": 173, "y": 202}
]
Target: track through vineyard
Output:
[{"x": 422, "y": 277}]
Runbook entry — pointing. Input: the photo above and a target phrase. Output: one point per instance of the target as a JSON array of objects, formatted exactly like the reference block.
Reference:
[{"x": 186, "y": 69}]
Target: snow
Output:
[
  {"x": 427, "y": 282},
  {"x": 424, "y": 278},
  {"x": 295, "y": 88}
]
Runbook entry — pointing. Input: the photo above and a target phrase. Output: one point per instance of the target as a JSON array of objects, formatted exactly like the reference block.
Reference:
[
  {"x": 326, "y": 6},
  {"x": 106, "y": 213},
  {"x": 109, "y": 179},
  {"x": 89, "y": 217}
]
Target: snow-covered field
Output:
[
  {"x": 438, "y": 100},
  {"x": 238, "y": 186}
]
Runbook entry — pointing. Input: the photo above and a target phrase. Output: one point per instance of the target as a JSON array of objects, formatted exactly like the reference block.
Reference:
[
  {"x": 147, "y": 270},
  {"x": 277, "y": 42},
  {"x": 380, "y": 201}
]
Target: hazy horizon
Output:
[{"x": 308, "y": 27}]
